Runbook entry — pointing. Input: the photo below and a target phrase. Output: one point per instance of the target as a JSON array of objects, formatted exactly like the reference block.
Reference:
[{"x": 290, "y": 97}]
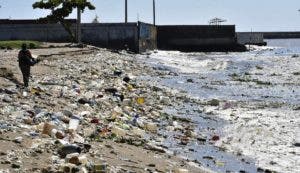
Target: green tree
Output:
[{"x": 60, "y": 9}]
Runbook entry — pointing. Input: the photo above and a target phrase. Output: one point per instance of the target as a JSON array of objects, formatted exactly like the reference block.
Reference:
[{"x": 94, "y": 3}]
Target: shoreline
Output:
[{"x": 256, "y": 94}]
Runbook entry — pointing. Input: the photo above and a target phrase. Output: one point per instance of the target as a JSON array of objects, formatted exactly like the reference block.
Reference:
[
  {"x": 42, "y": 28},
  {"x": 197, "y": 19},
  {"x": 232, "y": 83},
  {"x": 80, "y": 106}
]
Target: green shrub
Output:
[{"x": 17, "y": 44}]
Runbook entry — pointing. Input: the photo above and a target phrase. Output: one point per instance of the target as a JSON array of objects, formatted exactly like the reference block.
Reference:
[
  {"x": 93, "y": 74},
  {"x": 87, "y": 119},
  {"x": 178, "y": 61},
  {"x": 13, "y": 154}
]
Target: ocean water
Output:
[{"x": 211, "y": 74}]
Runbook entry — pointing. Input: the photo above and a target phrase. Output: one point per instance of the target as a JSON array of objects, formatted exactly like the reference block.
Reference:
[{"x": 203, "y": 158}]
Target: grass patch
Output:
[{"x": 16, "y": 44}]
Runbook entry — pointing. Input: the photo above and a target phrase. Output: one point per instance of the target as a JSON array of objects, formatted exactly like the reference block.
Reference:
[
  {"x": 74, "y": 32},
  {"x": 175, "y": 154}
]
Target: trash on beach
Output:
[{"x": 140, "y": 100}]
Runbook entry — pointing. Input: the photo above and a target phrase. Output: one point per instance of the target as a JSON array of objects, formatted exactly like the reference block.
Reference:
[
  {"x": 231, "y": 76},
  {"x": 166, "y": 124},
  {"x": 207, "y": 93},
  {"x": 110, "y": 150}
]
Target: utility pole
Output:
[
  {"x": 126, "y": 11},
  {"x": 154, "y": 13},
  {"x": 78, "y": 25}
]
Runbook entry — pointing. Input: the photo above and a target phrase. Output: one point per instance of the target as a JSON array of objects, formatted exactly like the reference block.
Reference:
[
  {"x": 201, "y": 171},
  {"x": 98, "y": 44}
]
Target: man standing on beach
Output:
[{"x": 25, "y": 62}]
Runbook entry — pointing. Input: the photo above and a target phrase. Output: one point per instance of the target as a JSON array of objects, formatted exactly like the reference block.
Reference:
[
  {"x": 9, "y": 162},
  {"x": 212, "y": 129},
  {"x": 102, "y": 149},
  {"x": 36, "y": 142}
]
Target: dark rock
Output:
[
  {"x": 15, "y": 166},
  {"x": 118, "y": 73},
  {"x": 84, "y": 101},
  {"x": 208, "y": 157},
  {"x": 215, "y": 138},
  {"x": 6, "y": 162},
  {"x": 214, "y": 102},
  {"x": 2, "y": 153},
  {"x": 9, "y": 91},
  {"x": 95, "y": 121},
  {"x": 190, "y": 80},
  {"x": 269, "y": 171},
  {"x": 68, "y": 149},
  {"x": 201, "y": 139},
  {"x": 111, "y": 90},
  {"x": 151, "y": 165},
  {"x": 260, "y": 169},
  {"x": 126, "y": 79}
]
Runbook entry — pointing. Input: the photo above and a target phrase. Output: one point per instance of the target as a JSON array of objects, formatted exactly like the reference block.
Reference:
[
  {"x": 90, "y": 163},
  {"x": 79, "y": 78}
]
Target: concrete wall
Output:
[
  {"x": 137, "y": 37},
  {"x": 114, "y": 36},
  {"x": 39, "y": 32},
  {"x": 147, "y": 37},
  {"x": 197, "y": 38},
  {"x": 251, "y": 38}
]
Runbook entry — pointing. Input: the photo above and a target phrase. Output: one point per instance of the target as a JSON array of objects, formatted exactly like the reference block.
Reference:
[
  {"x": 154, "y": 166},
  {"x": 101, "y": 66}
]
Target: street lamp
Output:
[
  {"x": 126, "y": 12},
  {"x": 154, "y": 16}
]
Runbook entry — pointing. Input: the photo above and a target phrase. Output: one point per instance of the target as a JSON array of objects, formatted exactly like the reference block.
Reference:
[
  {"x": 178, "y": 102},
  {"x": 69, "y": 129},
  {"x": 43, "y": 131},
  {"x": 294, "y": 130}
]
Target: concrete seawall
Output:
[
  {"x": 197, "y": 38},
  {"x": 135, "y": 37},
  {"x": 280, "y": 35},
  {"x": 250, "y": 38},
  {"x": 113, "y": 36}
]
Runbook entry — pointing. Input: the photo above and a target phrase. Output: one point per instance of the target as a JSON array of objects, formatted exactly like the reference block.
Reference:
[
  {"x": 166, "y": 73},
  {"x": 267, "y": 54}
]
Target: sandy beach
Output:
[{"x": 97, "y": 87}]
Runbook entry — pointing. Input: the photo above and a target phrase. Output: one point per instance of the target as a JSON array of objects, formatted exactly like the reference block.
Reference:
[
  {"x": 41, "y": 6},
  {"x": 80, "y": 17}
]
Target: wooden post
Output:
[{"x": 78, "y": 25}]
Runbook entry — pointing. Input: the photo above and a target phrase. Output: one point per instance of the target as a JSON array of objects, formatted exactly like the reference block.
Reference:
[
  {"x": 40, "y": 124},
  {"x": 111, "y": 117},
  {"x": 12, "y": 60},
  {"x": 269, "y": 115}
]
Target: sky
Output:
[{"x": 247, "y": 15}]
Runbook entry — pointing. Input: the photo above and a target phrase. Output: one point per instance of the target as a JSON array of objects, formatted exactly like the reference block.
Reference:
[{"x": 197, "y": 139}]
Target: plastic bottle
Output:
[{"x": 101, "y": 166}]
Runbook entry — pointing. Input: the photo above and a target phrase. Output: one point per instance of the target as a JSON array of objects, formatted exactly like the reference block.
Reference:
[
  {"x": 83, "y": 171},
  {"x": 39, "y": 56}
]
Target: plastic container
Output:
[
  {"x": 25, "y": 94},
  {"x": 73, "y": 124},
  {"x": 181, "y": 170},
  {"x": 140, "y": 100},
  {"x": 118, "y": 131},
  {"x": 138, "y": 132},
  {"x": 101, "y": 166},
  {"x": 152, "y": 127}
]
